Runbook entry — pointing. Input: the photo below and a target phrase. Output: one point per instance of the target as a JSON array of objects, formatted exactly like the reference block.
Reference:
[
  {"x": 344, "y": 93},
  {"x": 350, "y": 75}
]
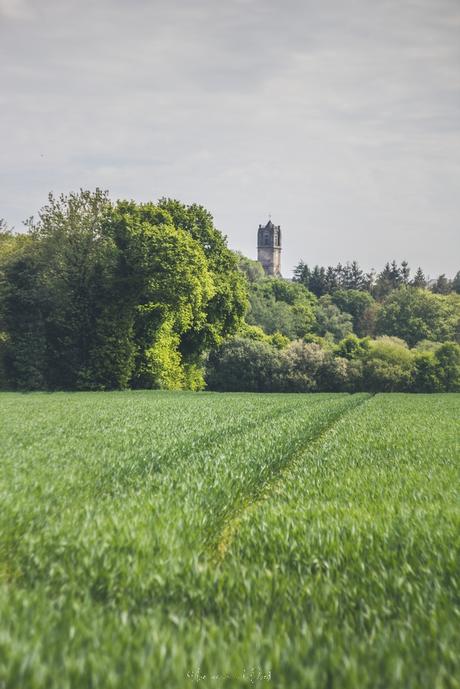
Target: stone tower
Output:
[{"x": 269, "y": 248}]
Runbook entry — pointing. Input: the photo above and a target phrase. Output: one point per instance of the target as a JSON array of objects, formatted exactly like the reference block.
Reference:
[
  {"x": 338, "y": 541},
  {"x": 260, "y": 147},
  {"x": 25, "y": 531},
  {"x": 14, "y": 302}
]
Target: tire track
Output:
[{"x": 220, "y": 546}]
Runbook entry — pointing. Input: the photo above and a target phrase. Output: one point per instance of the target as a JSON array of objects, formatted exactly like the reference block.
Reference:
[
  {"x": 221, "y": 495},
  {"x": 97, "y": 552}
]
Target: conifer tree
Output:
[{"x": 419, "y": 279}]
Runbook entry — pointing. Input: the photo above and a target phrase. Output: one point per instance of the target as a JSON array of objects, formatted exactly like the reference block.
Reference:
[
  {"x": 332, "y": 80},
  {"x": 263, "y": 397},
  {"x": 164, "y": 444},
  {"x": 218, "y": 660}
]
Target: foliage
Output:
[
  {"x": 415, "y": 314},
  {"x": 447, "y": 358},
  {"x": 255, "y": 363},
  {"x": 361, "y": 307},
  {"x": 321, "y": 281},
  {"x": 327, "y": 280},
  {"x": 278, "y": 305},
  {"x": 331, "y": 321},
  {"x": 253, "y": 270},
  {"x": 426, "y": 372},
  {"x": 442, "y": 285},
  {"x": 225, "y": 309},
  {"x": 243, "y": 365},
  {"x": 456, "y": 283},
  {"x": 307, "y": 367},
  {"x": 167, "y": 274},
  {"x": 352, "y": 347},
  {"x": 388, "y": 366},
  {"x": 102, "y": 295}
]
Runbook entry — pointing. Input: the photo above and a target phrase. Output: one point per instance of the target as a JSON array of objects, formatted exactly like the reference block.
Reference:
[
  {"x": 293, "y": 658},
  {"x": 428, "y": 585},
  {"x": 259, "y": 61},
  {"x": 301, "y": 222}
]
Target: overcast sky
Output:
[{"x": 341, "y": 118}]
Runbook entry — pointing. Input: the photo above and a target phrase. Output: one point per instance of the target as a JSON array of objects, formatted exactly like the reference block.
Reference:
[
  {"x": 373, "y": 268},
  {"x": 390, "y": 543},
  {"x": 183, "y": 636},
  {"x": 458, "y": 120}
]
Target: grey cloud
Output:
[
  {"x": 16, "y": 9},
  {"x": 342, "y": 119}
]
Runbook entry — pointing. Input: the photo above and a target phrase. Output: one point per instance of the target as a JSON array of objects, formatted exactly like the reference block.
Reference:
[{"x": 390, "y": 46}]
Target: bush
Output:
[
  {"x": 241, "y": 365},
  {"x": 448, "y": 366},
  {"x": 300, "y": 365},
  {"x": 388, "y": 366},
  {"x": 383, "y": 365},
  {"x": 426, "y": 373}
]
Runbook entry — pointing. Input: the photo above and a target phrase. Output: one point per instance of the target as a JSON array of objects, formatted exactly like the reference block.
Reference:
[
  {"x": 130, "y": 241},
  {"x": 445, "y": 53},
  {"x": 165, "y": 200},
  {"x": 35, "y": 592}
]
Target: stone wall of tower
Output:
[
  {"x": 269, "y": 248},
  {"x": 270, "y": 258}
]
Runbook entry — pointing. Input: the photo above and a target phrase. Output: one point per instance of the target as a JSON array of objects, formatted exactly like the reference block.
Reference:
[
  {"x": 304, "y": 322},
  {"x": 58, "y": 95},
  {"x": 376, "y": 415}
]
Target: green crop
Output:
[{"x": 152, "y": 539}]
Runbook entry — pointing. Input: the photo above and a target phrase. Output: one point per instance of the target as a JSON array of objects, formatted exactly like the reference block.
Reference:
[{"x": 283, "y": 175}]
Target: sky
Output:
[{"x": 339, "y": 118}]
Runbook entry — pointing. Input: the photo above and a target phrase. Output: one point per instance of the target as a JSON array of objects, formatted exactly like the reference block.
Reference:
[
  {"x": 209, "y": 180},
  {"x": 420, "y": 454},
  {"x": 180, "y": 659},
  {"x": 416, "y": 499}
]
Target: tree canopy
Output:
[{"x": 105, "y": 295}]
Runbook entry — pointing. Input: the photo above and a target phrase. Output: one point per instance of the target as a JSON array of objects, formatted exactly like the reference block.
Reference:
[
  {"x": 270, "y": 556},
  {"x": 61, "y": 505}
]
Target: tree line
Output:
[
  {"x": 353, "y": 365},
  {"x": 321, "y": 280},
  {"x": 351, "y": 338},
  {"x": 102, "y": 295},
  {"x": 106, "y": 295}
]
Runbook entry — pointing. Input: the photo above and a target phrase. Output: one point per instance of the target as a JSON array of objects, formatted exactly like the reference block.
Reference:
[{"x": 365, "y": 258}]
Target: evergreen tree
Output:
[
  {"x": 456, "y": 283},
  {"x": 442, "y": 285},
  {"x": 395, "y": 275},
  {"x": 302, "y": 274},
  {"x": 357, "y": 276},
  {"x": 384, "y": 282},
  {"x": 369, "y": 281},
  {"x": 332, "y": 283},
  {"x": 419, "y": 279},
  {"x": 339, "y": 272},
  {"x": 318, "y": 282},
  {"x": 405, "y": 273}
]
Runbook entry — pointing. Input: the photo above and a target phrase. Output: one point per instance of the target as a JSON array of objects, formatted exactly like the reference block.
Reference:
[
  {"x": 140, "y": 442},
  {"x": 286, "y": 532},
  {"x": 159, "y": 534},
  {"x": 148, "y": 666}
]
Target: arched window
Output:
[{"x": 267, "y": 239}]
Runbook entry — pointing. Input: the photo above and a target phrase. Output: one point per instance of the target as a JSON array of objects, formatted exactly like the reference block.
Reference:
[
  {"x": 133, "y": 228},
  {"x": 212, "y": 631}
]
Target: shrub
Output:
[
  {"x": 243, "y": 365},
  {"x": 448, "y": 366}
]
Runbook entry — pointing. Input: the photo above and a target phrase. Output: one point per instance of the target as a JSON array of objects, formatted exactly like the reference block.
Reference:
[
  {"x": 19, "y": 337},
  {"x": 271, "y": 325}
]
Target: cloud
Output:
[
  {"x": 342, "y": 119},
  {"x": 16, "y": 9}
]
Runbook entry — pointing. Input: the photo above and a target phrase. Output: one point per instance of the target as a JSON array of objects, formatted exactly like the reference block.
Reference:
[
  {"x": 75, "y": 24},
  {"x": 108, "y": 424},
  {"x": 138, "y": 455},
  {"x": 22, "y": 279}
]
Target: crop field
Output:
[{"x": 172, "y": 540}]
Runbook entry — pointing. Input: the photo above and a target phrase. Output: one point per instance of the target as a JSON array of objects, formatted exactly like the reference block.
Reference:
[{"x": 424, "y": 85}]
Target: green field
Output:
[{"x": 153, "y": 539}]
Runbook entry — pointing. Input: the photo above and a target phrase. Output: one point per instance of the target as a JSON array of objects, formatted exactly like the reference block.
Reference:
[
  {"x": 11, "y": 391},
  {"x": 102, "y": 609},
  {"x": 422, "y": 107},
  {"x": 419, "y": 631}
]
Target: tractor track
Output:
[{"x": 220, "y": 546}]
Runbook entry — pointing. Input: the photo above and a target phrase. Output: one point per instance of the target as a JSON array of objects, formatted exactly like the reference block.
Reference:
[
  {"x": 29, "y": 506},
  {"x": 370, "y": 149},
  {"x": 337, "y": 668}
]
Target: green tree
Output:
[
  {"x": 225, "y": 310},
  {"x": 23, "y": 346},
  {"x": 318, "y": 282},
  {"x": 352, "y": 347},
  {"x": 116, "y": 294},
  {"x": 388, "y": 366},
  {"x": 447, "y": 358},
  {"x": 415, "y": 314},
  {"x": 253, "y": 270},
  {"x": 352, "y": 277},
  {"x": 243, "y": 365},
  {"x": 302, "y": 274},
  {"x": 426, "y": 373},
  {"x": 11, "y": 245},
  {"x": 86, "y": 316},
  {"x": 388, "y": 280},
  {"x": 331, "y": 321},
  {"x": 278, "y": 305},
  {"x": 359, "y": 304},
  {"x": 419, "y": 279},
  {"x": 165, "y": 273},
  {"x": 405, "y": 273},
  {"x": 442, "y": 285},
  {"x": 456, "y": 283}
]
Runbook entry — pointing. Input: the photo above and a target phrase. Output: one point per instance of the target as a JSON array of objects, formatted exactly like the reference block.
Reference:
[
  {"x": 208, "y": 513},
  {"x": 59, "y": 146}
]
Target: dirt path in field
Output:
[{"x": 221, "y": 545}]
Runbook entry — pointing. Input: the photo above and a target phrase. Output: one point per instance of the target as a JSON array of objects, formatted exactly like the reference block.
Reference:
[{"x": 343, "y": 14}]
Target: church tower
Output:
[{"x": 269, "y": 248}]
